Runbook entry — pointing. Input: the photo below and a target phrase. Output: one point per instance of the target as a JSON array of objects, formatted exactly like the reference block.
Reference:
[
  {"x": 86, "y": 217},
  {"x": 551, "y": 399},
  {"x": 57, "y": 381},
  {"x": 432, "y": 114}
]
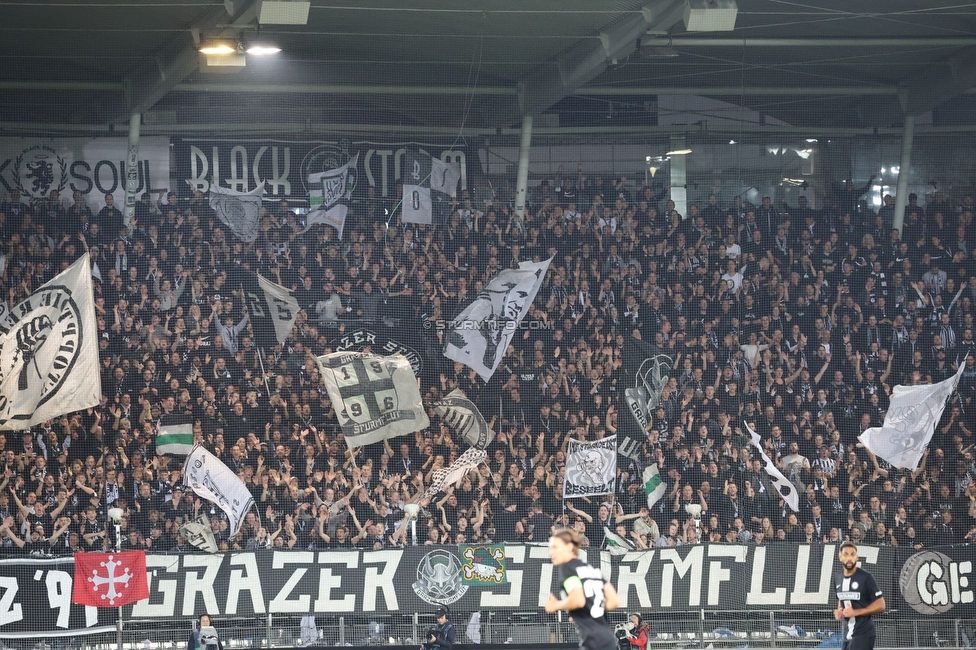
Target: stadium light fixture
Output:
[
  {"x": 679, "y": 152},
  {"x": 263, "y": 49},
  {"x": 217, "y": 48}
]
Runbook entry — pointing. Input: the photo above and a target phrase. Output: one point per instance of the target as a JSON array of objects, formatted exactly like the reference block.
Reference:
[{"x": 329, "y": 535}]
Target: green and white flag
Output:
[
  {"x": 654, "y": 487},
  {"x": 175, "y": 436},
  {"x": 616, "y": 544}
]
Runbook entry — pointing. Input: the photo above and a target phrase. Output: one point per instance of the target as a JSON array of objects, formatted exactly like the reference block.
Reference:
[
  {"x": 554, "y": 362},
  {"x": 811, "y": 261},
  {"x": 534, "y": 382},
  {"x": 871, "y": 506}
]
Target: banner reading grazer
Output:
[
  {"x": 36, "y": 166},
  {"x": 35, "y": 594},
  {"x": 285, "y": 165}
]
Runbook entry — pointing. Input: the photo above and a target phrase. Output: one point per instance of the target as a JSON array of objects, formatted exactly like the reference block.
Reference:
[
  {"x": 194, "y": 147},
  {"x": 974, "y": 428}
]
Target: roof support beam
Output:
[
  {"x": 657, "y": 40},
  {"x": 939, "y": 82},
  {"x": 578, "y": 65},
  {"x": 158, "y": 77}
]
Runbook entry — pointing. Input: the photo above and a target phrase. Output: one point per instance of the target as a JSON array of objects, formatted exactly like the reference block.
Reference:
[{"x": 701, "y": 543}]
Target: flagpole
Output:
[
  {"x": 264, "y": 374},
  {"x": 115, "y": 514}
]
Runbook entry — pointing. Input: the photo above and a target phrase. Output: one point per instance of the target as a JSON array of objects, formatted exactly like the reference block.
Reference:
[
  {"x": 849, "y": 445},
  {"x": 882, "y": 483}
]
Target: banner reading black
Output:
[{"x": 284, "y": 165}]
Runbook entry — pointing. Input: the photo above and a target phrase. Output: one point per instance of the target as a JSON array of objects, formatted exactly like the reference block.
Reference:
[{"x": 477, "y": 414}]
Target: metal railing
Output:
[{"x": 672, "y": 630}]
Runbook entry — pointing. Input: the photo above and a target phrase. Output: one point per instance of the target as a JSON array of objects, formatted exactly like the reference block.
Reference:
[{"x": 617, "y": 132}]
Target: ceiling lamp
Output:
[
  {"x": 263, "y": 49},
  {"x": 710, "y": 15},
  {"x": 284, "y": 12},
  {"x": 218, "y": 48}
]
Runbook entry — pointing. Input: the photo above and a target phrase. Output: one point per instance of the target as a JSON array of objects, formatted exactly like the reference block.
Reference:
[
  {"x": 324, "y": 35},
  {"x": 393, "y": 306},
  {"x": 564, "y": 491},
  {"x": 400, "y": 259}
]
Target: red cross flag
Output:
[{"x": 110, "y": 579}]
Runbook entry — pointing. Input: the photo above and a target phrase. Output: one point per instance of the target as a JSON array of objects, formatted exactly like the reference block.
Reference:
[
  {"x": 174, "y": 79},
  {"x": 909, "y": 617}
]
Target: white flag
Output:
[
  {"x": 337, "y": 184},
  {"x": 334, "y": 216},
  {"x": 463, "y": 416},
  {"x": 444, "y": 177},
  {"x": 374, "y": 397},
  {"x": 910, "y": 422},
  {"x": 480, "y": 334},
  {"x": 198, "y": 532},
  {"x": 239, "y": 211},
  {"x": 786, "y": 489},
  {"x": 271, "y": 309},
  {"x": 210, "y": 479},
  {"x": 427, "y": 184},
  {"x": 591, "y": 468},
  {"x": 49, "y": 351},
  {"x": 654, "y": 487}
]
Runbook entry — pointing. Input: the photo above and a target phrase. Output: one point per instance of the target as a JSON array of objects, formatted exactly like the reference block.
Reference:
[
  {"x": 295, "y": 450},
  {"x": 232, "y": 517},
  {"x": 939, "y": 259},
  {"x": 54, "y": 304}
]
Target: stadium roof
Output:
[{"x": 440, "y": 63}]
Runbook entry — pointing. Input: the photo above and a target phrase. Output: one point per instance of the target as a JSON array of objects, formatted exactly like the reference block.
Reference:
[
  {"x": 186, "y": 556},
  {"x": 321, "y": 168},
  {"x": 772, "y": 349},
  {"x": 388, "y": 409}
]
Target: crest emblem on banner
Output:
[
  {"x": 440, "y": 578},
  {"x": 38, "y": 170},
  {"x": 327, "y": 158}
]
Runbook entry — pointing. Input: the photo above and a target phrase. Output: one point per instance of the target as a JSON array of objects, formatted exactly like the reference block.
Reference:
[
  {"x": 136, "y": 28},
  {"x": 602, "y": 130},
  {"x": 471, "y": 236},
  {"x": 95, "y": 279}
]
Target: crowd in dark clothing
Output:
[{"x": 795, "y": 319}]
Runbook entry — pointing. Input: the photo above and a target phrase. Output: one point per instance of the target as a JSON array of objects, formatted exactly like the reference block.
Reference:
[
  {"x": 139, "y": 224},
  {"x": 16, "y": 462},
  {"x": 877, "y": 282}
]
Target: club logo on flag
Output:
[
  {"x": 42, "y": 341},
  {"x": 110, "y": 579}
]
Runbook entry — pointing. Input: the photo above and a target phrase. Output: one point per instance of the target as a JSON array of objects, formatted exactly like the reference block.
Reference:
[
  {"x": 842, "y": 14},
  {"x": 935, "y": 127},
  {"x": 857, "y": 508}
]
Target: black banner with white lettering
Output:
[
  {"x": 35, "y": 594},
  {"x": 284, "y": 165}
]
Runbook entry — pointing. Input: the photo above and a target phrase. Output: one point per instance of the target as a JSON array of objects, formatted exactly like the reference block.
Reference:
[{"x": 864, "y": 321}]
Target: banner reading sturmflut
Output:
[
  {"x": 374, "y": 397},
  {"x": 49, "y": 351},
  {"x": 591, "y": 468},
  {"x": 211, "y": 479},
  {"x": 480, "y": 334}
]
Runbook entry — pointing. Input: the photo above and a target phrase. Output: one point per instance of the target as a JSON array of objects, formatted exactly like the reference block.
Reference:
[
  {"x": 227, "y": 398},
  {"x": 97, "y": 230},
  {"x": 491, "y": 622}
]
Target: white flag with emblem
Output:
[
  {"x": 374, "y": 397},
  {"x": 49, "y": 351},
  {"x": 210, "y": 479},
  {"x": 786, "y": 489},
  {"x": 479, "y": 335},
  {"x": 239, "y": 211},
  {"x": 337, "y": 184},
  {"x": 463, "y": 416},
  {"x": 591, "y": 468},
  {"x": 910, "y": 421}
]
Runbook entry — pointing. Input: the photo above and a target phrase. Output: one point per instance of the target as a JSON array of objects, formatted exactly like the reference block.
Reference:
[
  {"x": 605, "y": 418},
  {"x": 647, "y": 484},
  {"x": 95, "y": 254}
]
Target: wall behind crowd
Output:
[{"x": 797, "y": 317}]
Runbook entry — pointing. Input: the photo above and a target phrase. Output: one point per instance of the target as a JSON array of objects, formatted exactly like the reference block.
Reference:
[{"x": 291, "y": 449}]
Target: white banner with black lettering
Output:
[
  {"x": 591, "y": 468},
  {"x": 211, "y": 479},
  {"x": 374, "y": 397},
  {"x": 92, "y": 166}
]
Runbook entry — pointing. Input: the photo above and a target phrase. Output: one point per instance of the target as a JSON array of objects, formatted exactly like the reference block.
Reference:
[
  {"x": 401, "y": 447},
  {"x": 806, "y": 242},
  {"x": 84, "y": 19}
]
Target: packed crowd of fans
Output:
[{"x": 795, "y": 319}]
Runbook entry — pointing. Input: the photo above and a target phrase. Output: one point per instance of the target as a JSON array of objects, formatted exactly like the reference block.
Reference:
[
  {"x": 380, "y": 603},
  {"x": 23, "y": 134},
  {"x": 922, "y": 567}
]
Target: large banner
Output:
[
  {"x": 36, "y": 166},
  {"x": 241, "y": 164},
  {"x": 35, "y": 594}
]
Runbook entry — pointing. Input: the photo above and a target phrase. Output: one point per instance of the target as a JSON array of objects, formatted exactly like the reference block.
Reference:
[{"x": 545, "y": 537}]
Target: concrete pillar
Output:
[
  {"x": 132, "y": 171},
  {"x": 904, "y": 169},
  {"x": 679, "y": 192},
  {"x": 522, "y": 179}
]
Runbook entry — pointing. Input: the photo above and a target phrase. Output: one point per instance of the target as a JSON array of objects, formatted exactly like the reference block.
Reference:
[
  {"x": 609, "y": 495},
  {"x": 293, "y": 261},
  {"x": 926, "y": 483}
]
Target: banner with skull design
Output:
[{"x": 591, "y": 468}]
